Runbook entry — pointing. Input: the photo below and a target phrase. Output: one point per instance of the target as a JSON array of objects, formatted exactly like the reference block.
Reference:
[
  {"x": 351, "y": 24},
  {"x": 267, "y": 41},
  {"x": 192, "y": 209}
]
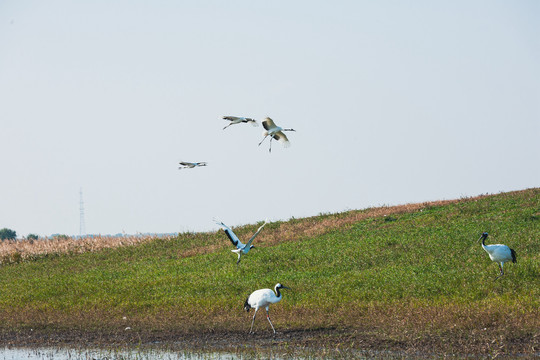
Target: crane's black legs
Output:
[
  {"x": 262, "y": 140},
  {"x": 501, "y": 270},
  {"x": 268, "y": 317},
  {"x": 253, "y": 320}
]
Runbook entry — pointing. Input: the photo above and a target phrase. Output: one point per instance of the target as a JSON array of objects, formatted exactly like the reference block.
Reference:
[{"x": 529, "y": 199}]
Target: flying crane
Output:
[
  {"x": 240, "y": 247},
  {"x": 190, "y": 165},
  {"x": 275, "y": 132}
]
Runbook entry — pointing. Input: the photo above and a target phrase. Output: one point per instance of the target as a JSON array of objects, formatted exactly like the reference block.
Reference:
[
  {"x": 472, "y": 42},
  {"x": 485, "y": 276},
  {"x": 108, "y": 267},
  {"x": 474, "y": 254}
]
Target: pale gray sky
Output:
[{"x": 393, "y": 102}]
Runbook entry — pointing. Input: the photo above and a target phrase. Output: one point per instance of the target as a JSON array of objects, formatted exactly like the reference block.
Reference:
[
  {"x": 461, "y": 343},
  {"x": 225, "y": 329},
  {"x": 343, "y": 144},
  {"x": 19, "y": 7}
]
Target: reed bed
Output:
[{"x": 15, "y": 251}]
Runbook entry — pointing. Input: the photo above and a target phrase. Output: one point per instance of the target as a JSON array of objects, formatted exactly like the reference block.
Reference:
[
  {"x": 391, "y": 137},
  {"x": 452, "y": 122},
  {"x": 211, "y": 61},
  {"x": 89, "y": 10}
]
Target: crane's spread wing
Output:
[
  {"x": 187, "y": 164},
  {"x": 268, "y": 123},
  {"x": 192, "y": 165},
  {"x": 281, "y": 137},
  {"x": 230, "y": 234},
  {"x": 241, "y": 119},
  {"x": 231, "y": 118},
  {"x": 257, "y": 233}
]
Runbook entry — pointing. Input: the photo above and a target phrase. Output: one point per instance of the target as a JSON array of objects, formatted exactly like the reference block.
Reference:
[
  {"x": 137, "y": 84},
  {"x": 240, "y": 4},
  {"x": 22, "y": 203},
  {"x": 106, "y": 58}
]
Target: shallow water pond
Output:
[
  {"x": 7, "y": 353},
  {"x": 106, "y": 354}
]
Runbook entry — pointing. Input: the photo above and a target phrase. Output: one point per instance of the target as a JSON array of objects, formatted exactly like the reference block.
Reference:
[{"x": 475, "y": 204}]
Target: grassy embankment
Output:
[{"x": 409, "y": 275}]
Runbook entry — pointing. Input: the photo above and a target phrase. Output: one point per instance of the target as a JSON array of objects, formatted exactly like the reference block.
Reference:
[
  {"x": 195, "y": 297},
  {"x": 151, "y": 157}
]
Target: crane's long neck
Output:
[
  {"x": 278, "y": 293},
  {"x": 484, "y": 241},
  {"x": 484, "y": 245}
]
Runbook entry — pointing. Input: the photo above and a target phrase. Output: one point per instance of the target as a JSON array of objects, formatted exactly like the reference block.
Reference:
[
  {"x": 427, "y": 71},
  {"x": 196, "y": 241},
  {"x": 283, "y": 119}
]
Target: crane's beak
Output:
[{"x": 285, "y": 287}]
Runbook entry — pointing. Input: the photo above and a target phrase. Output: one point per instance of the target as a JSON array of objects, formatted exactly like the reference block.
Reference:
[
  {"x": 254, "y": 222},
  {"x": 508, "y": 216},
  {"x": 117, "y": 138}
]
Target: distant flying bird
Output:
[
  {"x": 240, "y": 248},
  {"x": 237, "y": 120},
  {"x": 275, "y": 132},
  {"x": 263, "y": 298},
  {"x": 190, "y": 165},
  {"x": 498, "y": 253}
]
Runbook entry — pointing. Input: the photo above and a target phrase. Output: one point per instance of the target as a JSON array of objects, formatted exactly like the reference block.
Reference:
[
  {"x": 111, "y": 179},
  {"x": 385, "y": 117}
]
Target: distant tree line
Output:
[{"x": 7, "y": 234}]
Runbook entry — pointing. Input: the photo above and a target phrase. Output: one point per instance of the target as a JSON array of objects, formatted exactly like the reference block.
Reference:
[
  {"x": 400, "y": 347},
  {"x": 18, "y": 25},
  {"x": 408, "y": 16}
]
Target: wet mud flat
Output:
[{"x": 334, "y": 343}]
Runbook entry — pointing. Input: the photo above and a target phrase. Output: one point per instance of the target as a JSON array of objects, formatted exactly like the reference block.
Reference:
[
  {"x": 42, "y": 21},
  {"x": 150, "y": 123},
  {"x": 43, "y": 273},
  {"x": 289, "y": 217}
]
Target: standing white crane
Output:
[
  {"x": 275, "y": 132},
  {"x": 237, "y": 120},
  {"x": 190, "y": 165},
  {"x": 263, "y": 298},
  {"x": 240, "y": 247},
  {"x": 498, "y": 253}
]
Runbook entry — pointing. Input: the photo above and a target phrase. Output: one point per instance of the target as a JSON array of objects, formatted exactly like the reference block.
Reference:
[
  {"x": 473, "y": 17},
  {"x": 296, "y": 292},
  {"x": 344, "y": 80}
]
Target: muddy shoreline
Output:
[{"x": 326, "y": 340}]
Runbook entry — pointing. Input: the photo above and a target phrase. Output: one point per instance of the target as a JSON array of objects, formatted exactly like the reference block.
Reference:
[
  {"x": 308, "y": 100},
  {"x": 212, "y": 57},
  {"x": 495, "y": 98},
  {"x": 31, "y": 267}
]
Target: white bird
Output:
[
  {"x": 275, "y": 132},
  {"x": 190, "y": 165},
  {"x": 498, "y": 253},
  {"x": 237, "y": 120},
  {"x": 240, "y": 247},
  {"x": 263, "y": 298}
]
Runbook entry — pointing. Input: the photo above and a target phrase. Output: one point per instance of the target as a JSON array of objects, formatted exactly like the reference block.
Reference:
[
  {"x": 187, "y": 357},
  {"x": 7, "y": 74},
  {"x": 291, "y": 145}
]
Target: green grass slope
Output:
[{"x": 396, "y": 272}]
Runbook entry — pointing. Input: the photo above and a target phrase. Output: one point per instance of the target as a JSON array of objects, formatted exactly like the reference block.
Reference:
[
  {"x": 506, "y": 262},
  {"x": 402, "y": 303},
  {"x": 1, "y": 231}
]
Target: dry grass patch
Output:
[{"x": 14, "y": 251}]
